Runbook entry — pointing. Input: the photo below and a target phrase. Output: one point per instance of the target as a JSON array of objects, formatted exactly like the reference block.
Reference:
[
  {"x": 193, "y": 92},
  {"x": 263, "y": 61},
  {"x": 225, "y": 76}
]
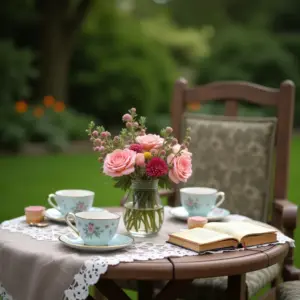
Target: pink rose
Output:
[
  {"x": 119, "y": 163},
  {"x": 127, "y": 118},
  {"x": 140, "y": 159},
  {"x": 150, "y": 141},
  {"x": 182, "y": 167},
  {"x": 176, "y": 149}
]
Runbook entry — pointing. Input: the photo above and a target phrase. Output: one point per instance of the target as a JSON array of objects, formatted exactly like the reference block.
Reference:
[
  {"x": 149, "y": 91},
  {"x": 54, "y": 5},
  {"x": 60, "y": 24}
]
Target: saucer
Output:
[
  {"x": 54, "y": 215},
  {"x": 216, "y": 214},
  {"x": 118, "y": 242}
]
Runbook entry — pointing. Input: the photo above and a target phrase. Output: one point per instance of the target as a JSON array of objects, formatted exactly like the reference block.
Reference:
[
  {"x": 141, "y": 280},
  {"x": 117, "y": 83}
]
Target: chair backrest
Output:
[{"x": 234, "y": 93}]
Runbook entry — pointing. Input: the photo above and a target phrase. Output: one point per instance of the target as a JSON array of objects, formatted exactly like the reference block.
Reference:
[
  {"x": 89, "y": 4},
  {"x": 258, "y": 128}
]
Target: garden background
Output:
[{"x": 64, "y": 63}]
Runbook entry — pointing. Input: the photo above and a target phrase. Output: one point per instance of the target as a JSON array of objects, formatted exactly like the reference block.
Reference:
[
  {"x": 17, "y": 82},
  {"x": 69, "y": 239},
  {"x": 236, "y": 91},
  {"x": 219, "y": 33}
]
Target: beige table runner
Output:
[{"x": 32, "y": 269}]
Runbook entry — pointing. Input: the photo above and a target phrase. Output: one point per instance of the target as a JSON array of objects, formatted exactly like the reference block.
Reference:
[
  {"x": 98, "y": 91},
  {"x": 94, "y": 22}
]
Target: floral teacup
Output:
[
  {"x": 72, "y": 200},
  {"x": 96, "y": 228},
  {"x": 199, "y": 201}
]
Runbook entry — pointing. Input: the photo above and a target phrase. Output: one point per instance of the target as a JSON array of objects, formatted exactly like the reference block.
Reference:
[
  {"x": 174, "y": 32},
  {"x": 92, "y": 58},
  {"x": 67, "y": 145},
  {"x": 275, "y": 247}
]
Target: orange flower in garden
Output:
[
  {"x": 193, "y": 106},
  {"x": 21, "y": 107},
  {"x": 49, "y": 101},
  {"x": 59, "y": 106},
  {"x": 38, "y": 112}
]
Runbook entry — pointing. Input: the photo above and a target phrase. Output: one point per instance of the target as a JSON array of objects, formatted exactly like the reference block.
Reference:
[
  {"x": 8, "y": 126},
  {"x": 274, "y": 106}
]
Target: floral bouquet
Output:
[{"x": 140, "y": 162}]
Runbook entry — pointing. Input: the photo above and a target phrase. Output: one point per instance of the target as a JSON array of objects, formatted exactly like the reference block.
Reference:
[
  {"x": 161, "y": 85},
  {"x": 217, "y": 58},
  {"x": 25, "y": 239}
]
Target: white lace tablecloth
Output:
[{"x": 93, "y": 266}]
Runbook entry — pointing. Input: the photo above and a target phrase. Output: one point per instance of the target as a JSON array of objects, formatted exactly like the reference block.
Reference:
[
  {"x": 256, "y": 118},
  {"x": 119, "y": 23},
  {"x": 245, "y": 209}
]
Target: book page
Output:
[
  {"x": 201, "y": 236},
  {"x": 238, "y": 229}
]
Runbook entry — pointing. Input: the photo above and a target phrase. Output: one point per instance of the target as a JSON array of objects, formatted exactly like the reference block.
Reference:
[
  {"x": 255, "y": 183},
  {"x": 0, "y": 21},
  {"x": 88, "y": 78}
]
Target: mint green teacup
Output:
[
  {"x": 199, "y": 201},
  {"x": 96, "y": 228},
  {"x": 72, "y": 200}
]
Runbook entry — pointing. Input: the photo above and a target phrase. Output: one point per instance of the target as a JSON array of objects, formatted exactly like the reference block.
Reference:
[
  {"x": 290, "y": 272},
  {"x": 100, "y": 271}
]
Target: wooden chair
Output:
[
  {"x": 277, "y": 209},
  {"x": 289, "y": 290}
]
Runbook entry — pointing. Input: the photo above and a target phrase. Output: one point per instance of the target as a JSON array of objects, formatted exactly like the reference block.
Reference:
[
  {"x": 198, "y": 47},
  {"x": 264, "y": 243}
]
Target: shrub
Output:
[
  {"x": 50, "y": 123},
  {"x": 186, "y": 45},
  {"x": 250, "y": 55},
  {"x": 292, "y": 44},
  {"x": 16, "y": 70},
  {"x": 117, "y": 67}
]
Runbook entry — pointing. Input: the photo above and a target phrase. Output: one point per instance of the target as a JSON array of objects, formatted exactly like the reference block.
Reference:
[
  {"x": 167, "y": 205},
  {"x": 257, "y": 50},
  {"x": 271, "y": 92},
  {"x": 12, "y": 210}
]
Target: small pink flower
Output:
[
  {"x": 176, "y": 148},
  {"x": 105, "y": 134},
  {"x": 133, "y": 110},
  {"x": 140, "y": 159},
  {"x": 101, "y": 149},
  {"x": 116, "y": 139},
  {"x": 127, "y": 118},
  {"x": 150, "y": 141},
  {"x": 181, "y": 169},
  {"x": 190, "y": 203},
  {"x": 80, "y": 206},
  {"x": 96, "y": 149},
  {"x": 142, "y": 132},
  {"x": 136, "y": 147},
  {"x": 169, "y": 130},
  {"x": 97, "y": 142},
  {"x": 174, "y": 141},
  {"x": 119, "y": 163},
  {"x": 95, "y": 133},
  {"x": 91, "y": 227},
  {"x": 129, "y": 125}
]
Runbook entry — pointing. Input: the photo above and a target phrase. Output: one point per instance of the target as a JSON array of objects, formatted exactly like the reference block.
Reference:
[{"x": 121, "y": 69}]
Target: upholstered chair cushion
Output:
[
  {"x": 289, "y": 290},
  {"x": 215, "y": 288},
  {"x": 234, "y": 155}
]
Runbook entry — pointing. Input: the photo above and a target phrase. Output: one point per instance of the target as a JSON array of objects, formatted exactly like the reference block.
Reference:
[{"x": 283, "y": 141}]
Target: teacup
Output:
[
  {"x": 72, "y": 200},
  {"x": 96, "y": 228},
  {"x": 199, "y": 201}
]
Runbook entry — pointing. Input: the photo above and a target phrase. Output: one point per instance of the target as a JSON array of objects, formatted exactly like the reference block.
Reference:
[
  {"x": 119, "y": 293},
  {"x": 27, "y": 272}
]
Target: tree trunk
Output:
[
  {"x": 58, "y": 28},
  {"x": 55, "y": 57}
]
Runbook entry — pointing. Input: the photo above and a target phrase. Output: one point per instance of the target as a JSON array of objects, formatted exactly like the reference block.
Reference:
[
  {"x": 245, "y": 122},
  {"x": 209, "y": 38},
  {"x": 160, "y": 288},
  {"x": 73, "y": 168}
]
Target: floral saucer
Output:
[
  {"x": 54, "y": 215},
  {"x": 216, "y": 214},
  {"x": 119, "y": 241}
]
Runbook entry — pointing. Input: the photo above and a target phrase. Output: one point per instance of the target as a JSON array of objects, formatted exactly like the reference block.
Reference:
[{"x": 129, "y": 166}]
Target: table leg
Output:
[
  {"x": 98, "y": 295},
  {"x": 173, "y": 290},
  {"x": 111, "y": 290},
  {"x": 237, "y": 289},
  {"x": 145, "y": 290}
]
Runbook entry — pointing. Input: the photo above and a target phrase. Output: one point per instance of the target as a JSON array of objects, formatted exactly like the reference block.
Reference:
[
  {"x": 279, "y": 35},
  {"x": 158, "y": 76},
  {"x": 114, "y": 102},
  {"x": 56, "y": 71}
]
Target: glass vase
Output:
[{"x": 144, "y": 213}]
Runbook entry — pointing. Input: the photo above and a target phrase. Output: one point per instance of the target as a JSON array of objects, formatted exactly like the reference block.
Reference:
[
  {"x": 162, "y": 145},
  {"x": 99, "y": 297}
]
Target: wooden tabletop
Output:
[{"x": 201, "y": 266}]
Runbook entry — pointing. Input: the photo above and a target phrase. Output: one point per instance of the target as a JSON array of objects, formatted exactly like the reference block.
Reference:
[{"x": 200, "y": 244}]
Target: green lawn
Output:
[{"x": 28, "y": 180}]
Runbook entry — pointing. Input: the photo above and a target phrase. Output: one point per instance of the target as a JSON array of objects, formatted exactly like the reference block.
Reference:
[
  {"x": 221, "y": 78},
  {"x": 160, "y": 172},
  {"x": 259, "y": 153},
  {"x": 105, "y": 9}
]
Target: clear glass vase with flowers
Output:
[{"x": 140, "y": 163}]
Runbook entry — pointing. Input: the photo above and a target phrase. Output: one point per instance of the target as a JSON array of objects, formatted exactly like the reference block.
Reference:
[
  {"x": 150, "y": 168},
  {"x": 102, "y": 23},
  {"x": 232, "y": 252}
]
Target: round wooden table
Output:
[{"x": 180, "y": 272}]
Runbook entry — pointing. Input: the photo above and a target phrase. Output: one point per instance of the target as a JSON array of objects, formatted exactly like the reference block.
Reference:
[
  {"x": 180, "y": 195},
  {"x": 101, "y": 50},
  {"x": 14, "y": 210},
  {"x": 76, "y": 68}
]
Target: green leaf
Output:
[
  {"x": 123, "y": 182},
  {"x": 165, "y": 183}
]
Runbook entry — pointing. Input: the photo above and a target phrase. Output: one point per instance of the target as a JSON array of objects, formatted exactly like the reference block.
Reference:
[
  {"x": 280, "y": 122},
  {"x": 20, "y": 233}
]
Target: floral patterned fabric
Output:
[
  {"x": 289, "y": 290},
  {"x": 215, "y": 288},
  {"x": 234, "y": 156}
]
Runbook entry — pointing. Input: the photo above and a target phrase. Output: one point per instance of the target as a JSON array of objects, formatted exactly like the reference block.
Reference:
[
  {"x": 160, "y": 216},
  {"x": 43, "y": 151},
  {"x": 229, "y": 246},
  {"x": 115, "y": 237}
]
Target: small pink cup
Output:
[{"x": 34, "y": 214}]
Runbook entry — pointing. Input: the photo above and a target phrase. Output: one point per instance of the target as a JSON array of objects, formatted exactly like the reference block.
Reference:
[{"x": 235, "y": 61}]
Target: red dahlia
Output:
[
  {"x": 156, "y": 167},
  {"x": 136, "y": 147}
]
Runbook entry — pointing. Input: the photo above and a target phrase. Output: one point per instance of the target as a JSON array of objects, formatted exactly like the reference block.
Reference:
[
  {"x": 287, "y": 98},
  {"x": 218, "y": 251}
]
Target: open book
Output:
[{"x": 218, "y": 235}]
